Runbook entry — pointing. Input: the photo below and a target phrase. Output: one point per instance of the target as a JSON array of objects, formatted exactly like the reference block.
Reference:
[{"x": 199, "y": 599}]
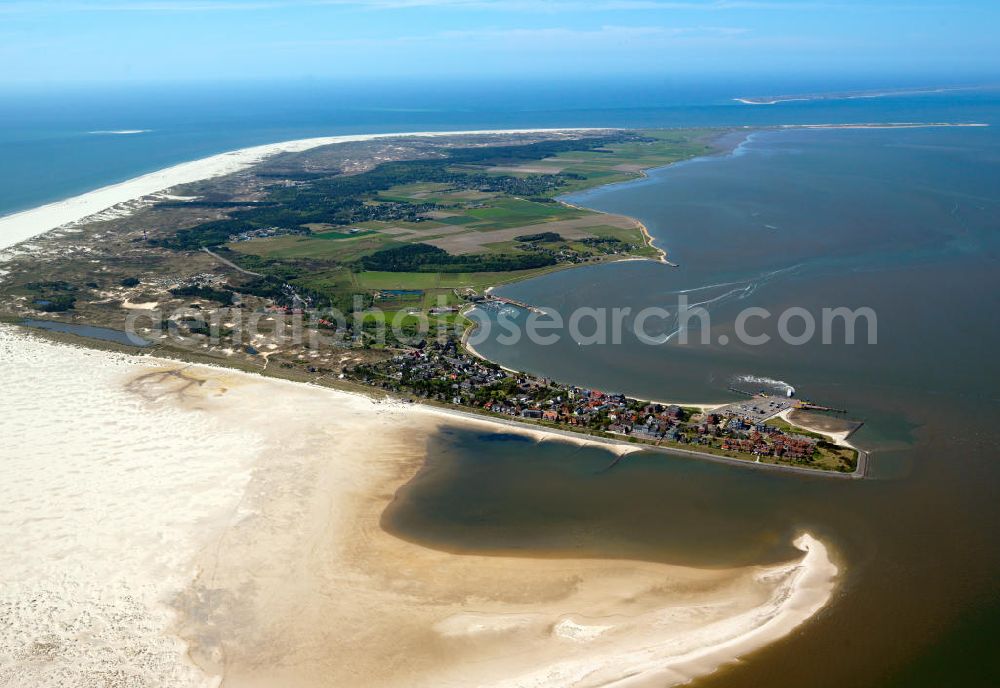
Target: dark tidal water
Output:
[
  {"x": 88, "y": 331},
  {"x": 903, "y": 221}
]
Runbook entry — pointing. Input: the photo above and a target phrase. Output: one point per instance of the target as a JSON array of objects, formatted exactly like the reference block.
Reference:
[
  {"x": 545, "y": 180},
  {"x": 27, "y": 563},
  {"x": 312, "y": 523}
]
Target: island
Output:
[
  {"x": 414, "y": 230},
  {"x": 847, "y": 95}
]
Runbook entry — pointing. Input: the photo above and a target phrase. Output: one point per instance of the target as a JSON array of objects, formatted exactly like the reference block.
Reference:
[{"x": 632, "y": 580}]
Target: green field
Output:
[
  {"x": 517, "y": 212},
  {"x": 669, "y": 147},
  {"x": 440, "y": 287},
  {"x": 460, "y": 221},
  {"x": 339, "y": 249}
]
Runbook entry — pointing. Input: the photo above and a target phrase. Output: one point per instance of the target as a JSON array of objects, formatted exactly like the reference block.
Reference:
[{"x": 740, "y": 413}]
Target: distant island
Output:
[
  {"x": 847, "y": 95},
  {"x": 419, "y": 227}
]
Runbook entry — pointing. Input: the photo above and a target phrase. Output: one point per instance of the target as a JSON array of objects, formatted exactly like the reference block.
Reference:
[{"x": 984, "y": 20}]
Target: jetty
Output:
[
  {"x": 512, "y": 302},
  {"x": 816, "y": 407}
]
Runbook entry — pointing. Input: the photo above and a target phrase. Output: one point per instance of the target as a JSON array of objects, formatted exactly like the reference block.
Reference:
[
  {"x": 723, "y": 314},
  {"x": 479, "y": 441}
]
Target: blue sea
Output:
[{"x": 54, "y": 145}]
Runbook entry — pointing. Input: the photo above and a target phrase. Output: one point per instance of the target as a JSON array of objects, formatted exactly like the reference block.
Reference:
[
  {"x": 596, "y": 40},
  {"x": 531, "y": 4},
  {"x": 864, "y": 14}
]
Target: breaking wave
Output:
[{"x": 119, "y": 132}]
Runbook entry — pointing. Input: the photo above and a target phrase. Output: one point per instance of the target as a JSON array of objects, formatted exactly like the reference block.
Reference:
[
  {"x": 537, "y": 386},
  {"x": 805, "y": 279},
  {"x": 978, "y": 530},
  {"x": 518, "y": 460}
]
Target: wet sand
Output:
[{"x": 837, "y": 429}]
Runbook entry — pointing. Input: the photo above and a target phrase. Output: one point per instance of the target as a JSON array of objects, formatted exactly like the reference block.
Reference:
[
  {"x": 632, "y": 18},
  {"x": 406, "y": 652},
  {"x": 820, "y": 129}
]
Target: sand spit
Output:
[
  {"x": 242, "y": 515},
  {"x": 885, "y": 125},
  {"x": 118, "y": 200}
]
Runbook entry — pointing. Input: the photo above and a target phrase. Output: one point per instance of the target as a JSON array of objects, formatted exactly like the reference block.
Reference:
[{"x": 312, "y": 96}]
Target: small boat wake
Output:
[
  {"x": 711, "y": 296},
  {"x": 755, "y": 383}
]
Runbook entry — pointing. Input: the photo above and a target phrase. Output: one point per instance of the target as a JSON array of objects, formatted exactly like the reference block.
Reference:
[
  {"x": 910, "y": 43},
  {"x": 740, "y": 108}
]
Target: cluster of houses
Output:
[
  {"x": 436, "y": 370},
  {"x": 442, "y": 371},
  {"x": 265, "y": 232},
  {"x": 541, "y": 400},
  {"x": 772, "y": 443},
  {"x": 721, "y": 430},
  {"x": 742, "y": 434}
]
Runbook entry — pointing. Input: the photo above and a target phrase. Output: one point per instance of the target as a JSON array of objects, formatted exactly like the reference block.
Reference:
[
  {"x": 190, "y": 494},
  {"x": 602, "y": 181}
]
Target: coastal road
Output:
[{"x": 230, "y": 263}]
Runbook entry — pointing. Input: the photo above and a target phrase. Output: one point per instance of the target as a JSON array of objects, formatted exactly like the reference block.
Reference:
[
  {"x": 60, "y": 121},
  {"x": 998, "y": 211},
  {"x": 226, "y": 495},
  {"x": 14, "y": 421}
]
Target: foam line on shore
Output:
[
  {"x": 27, "y": 224},
  {"x": 807, "y": 586}
]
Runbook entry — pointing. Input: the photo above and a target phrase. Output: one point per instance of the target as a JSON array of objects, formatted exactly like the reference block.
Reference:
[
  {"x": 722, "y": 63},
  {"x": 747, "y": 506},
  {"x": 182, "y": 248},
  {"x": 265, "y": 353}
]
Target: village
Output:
[{"x": 440, "y": 371}]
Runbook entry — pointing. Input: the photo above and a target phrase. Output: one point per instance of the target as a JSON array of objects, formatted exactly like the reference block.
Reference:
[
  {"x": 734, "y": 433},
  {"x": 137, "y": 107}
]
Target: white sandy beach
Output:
[
  {"x": 835, "y": 436},
  {"x": 168, "y": 527},
  {"x": 105, "y": 502},
  {"x": 242, "y": 514}
]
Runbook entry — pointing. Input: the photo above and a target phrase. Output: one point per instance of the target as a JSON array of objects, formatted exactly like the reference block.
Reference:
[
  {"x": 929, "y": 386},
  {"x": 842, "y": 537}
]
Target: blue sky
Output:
[{"x": 152, "y": 40}]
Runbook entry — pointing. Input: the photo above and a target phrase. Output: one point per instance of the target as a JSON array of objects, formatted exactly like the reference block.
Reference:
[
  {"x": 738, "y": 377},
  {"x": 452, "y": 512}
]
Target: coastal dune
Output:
[
  {"x": 241, "y": 515},
  {"x": 115, "y": 198}
]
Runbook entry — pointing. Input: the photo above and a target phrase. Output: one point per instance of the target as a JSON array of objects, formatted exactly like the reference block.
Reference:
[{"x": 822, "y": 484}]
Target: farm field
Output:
[{"x": 488, "y": 225}]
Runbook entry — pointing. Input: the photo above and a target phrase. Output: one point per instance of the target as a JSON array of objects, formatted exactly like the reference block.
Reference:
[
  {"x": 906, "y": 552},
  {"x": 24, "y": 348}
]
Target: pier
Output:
[
  {"x": 513, "y": 302},
  {"x": 816, "y": 407},
  {"x": 798, "y": 404}
]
